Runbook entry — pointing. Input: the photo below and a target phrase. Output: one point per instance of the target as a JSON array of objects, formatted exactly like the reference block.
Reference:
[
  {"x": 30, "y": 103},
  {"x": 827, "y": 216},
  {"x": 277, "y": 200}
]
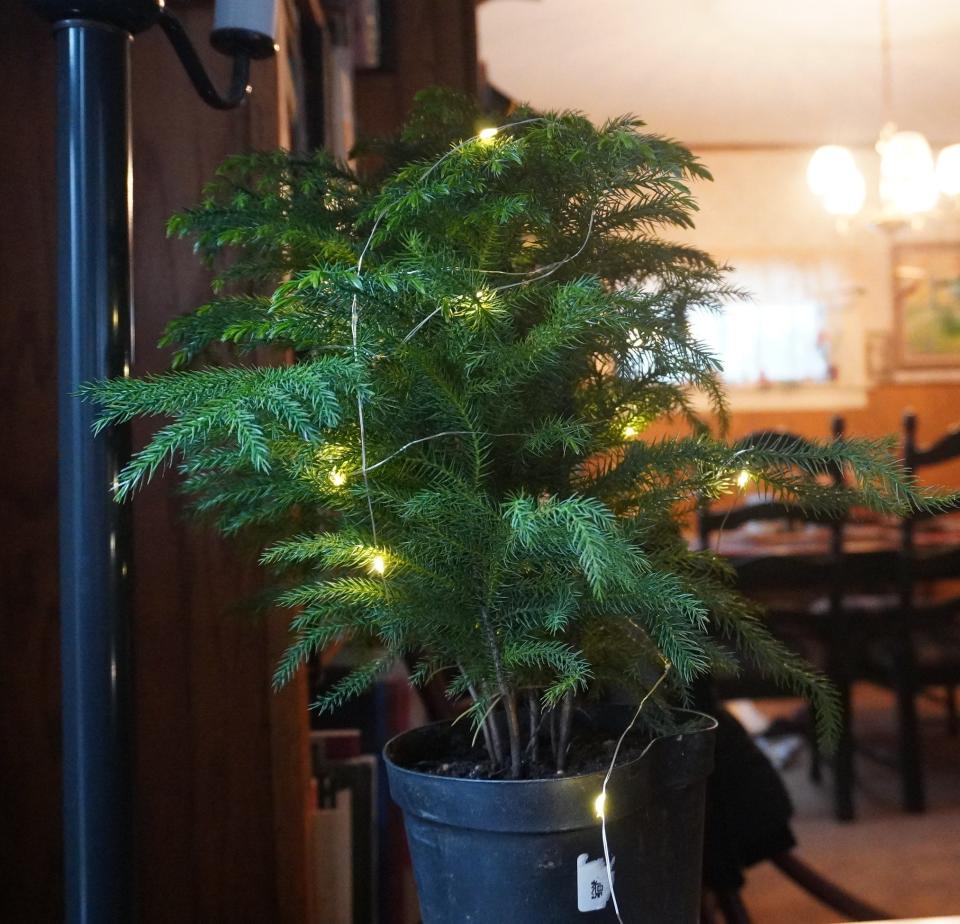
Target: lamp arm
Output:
[{"x": 192, "y": 64}]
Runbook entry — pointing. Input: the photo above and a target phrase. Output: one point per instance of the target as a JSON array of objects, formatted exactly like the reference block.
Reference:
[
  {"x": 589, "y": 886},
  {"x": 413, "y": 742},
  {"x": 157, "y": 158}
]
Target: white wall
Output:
[{"x": 759, "y": 207}]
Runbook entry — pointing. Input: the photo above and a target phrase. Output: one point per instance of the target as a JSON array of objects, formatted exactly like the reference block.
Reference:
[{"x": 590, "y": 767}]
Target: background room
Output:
[
  {"x": 832, "y": 136},
  {"x": 853, "y": 306}
]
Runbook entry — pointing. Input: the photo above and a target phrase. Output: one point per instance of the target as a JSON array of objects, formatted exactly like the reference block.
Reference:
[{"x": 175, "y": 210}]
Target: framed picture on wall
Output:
[{"x": 926, "y": 280}]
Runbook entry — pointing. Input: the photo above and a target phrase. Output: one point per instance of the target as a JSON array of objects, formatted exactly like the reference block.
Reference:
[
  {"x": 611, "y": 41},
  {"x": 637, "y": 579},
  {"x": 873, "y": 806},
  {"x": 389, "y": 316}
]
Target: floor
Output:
[{"x": 908, "y": 865}]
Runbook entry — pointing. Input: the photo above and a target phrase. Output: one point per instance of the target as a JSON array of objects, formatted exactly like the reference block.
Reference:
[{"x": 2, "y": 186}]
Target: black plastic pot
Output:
[{"x": 530, "y": 851}]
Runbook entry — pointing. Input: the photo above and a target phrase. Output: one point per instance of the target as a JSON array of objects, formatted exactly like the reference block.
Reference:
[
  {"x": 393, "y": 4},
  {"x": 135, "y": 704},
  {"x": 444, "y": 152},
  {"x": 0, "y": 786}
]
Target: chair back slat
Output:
[
  {"x": 765, "y": 511},
  {"x": 714, "y": 520},
  {"x": 943, "y": 450},
  {"x": 936, "y": 615},
  {"x": 915, "y": 457},
  {"x": 871, "y": 572}
]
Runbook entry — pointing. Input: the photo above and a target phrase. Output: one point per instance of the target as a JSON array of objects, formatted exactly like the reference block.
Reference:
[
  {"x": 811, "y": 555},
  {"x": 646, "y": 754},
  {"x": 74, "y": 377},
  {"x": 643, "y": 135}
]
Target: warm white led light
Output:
[
  {"x": 378, "y": 565},
  {"x": 600, "y": 805},
  {"x": 486, "y": 134},
  {"x": 629, "y": 432},
  {"x": 743, "y": 479},
  {"x": 337, "y": 478}
]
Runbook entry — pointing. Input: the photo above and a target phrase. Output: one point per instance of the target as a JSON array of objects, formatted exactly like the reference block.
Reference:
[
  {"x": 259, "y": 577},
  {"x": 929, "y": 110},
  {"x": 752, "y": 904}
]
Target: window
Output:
[{"x": 786, "y": 332}]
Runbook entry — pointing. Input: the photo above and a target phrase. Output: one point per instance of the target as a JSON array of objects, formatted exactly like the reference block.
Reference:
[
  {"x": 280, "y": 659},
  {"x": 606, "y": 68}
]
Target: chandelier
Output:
[{"x": 911, "y": 180}]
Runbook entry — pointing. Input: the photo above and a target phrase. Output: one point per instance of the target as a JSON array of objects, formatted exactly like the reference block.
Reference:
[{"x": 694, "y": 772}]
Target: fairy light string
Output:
[
  {"x": 355, "y": 329},
  {"x": 741, "y": 482},
  {"x": 485, "y": 135},
  {"x": 600, "y": 803}
]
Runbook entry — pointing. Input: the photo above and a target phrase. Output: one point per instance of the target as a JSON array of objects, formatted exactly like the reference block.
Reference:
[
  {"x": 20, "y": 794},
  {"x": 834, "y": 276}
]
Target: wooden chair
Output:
[
  {"x": 710, "y": 522},
  {"x": 919, "y": 641},
  {"x": 809, "y": 616}
]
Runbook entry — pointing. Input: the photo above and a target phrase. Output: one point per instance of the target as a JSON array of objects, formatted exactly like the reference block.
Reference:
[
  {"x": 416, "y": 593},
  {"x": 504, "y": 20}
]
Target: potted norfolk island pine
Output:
[{"x": 452, "y": 467}]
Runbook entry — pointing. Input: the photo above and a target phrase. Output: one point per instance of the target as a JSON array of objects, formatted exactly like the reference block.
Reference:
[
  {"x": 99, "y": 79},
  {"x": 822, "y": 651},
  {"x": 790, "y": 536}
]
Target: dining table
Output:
[
  {"x": 837, "y": 601},
  {"x": 813, "y": 540},
  {"x": 789, "y": 558}
]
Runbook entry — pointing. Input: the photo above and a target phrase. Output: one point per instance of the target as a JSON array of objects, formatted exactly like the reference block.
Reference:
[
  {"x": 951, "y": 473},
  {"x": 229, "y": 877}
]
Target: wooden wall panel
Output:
[
  {"x": 30, "y": 857},
  {"x": 434, "y": 42},
  {"x": 208, "y": 718},
  {"x": 221, "y": 776},
  {"x": 203, "y": 772}
]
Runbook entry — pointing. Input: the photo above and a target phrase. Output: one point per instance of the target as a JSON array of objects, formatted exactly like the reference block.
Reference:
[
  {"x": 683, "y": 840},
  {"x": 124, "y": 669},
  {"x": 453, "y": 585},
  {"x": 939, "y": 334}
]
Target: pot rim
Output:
[
  {"x": 562, "y": 803},
  {"x": 709, "y": 725}
]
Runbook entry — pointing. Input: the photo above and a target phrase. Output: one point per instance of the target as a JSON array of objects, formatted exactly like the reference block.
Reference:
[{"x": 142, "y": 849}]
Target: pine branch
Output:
[{"x": 511, "y": 320}]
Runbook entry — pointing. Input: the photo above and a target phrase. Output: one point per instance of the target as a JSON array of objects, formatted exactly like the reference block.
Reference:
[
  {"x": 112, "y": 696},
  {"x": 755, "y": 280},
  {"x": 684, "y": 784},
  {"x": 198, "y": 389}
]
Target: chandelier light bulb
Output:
[
  {"x": 827, "y": 164},
  {"x": 847, "y": 195},
  {"x": 948, "y": 170},
  {"x": 833, "y": 175},
  {"x": 908, "y": 181}
]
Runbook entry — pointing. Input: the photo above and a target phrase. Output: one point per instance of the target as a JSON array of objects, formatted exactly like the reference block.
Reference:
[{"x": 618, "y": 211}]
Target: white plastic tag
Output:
[{"x": 593, "y": 886}]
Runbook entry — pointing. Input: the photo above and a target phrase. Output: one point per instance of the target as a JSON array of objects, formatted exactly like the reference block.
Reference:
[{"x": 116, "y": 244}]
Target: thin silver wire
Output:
[
  {"x": 530, "y": 276},
  {"x": 606, "y": 779},
  {"x": 545, "y": 271},
  {"x": 355, "y": 314},
  {"x": 434, "y": 436}
]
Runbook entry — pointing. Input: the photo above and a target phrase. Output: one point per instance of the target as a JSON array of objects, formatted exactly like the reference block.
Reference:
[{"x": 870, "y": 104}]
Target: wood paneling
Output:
[
  {"x": 208, "y": 718},
  {"x": 221, "y": 779},
  {"x": 203, "y": 764},
  {"x": 433, "y": 43},
  {"x": 30, "y": 856}
]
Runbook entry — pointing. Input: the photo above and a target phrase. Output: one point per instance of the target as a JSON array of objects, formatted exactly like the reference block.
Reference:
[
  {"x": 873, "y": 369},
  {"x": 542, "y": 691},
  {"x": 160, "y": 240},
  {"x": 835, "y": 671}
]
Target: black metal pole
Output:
[
  {"x": 94, "y": 181},
  {"x": 94, "y": 174}
]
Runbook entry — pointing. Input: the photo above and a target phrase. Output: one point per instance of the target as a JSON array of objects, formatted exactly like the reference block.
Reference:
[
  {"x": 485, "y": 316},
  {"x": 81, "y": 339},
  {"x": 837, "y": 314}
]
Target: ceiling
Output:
[{"x": 731, "y": 72}]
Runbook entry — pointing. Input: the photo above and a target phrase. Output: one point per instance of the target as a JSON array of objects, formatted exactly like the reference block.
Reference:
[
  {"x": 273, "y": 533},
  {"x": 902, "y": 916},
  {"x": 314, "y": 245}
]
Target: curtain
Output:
[{"x": 785, "y": 331}]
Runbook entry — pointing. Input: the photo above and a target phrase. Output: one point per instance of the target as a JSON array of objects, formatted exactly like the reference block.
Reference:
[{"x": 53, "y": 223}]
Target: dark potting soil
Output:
[{"x": 590, "y": 751}]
